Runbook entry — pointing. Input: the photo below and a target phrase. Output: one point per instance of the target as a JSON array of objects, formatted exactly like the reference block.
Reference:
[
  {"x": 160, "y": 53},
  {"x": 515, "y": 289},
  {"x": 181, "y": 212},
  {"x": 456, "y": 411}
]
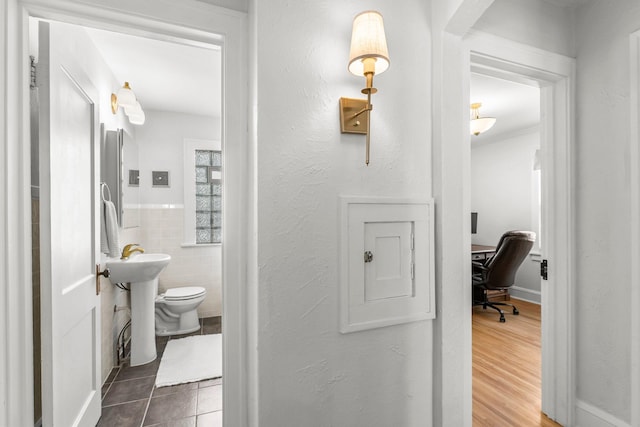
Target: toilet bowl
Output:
[{"x": 176, "y": 310}]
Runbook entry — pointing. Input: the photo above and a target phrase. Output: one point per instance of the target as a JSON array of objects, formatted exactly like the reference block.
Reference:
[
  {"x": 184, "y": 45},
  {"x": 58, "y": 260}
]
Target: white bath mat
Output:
[{"x": 194, "y": 358}]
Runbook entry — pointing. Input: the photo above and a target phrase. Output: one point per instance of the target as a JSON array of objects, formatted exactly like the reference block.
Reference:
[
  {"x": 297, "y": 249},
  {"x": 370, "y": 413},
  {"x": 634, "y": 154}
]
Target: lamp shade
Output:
[
  {"x": 135, "y": 114},
  {"x": 134, "y": 109},
  {"x": 368, "y": 41},
  {"x": 482, "y": 125},
  {"x": 126, "y": 97},
  {"x": 137, "y": 118}
]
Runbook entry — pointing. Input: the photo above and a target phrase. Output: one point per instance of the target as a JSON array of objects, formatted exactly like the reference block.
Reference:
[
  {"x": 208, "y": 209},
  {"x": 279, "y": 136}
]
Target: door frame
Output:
[
  {"x": 634, "y": 188},
  {"x": 193, "y": 21},
  {"x": 555, "y": 74}
]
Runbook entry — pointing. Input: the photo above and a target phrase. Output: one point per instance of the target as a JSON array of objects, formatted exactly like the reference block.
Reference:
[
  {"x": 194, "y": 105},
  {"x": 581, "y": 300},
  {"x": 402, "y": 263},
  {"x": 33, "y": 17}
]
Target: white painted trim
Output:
[
  {"x": 525, "y": 294},
  {"x": 634, "y": 188},
  {"x": 556, "y": 75},
  {"x": 393, "y": 311},
  {"x": 451, "y": 165},
  {"x": 199, "y": 245},
  {"x": 589, "y": 415},
  {"x": 152, "y": 206},
  {"x": 16, "y": 343},
  {"x": 169, "y": 20}
]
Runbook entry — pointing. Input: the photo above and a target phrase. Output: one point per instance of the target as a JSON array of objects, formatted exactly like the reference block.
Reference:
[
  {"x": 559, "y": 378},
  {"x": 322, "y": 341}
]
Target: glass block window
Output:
[{"x": 208, "y": 189}]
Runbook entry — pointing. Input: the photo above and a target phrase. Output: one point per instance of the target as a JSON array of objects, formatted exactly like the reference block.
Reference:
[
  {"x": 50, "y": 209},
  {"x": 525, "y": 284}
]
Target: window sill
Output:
[{"x": 199, "y": 245}]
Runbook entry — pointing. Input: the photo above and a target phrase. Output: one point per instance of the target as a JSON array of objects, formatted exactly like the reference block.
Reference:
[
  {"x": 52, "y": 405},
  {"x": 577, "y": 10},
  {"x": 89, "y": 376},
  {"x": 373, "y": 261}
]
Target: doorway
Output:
[
  {"x": 195, "y": 26},
  {"x": 148, "y": 213},
  {"x": 505, "y": 195},
  {"x": 553, "y": 74}
]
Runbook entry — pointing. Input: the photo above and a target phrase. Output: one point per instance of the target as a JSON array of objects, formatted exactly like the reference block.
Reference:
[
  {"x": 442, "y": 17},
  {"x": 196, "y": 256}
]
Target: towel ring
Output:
[{"x": 104, "y": 185}]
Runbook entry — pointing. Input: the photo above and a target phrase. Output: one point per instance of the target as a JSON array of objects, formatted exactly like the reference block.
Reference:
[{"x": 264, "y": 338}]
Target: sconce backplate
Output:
[
  {"x": 114, "y": 103},
  {"x": 349, "y": 122}
]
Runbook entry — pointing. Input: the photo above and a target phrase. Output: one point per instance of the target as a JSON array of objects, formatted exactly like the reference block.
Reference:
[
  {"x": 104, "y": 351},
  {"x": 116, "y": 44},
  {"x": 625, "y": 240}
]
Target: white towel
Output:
[{"x": 109, "y": 243}]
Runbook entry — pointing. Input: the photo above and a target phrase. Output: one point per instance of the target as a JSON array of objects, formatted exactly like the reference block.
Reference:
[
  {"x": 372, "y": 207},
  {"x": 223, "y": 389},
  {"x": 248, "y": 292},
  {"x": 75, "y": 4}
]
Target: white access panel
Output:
[
  {"x": 388, "y": 274},
  {"x": 386, "y": 262}
]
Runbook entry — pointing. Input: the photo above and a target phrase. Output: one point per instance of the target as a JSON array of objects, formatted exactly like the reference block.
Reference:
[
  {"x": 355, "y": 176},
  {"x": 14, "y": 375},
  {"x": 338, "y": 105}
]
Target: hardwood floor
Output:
[{"x": 506, "y": 368}]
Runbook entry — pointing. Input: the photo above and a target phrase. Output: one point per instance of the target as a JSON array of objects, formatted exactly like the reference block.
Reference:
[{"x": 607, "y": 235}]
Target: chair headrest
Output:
[{"x": 517, "y": 235}]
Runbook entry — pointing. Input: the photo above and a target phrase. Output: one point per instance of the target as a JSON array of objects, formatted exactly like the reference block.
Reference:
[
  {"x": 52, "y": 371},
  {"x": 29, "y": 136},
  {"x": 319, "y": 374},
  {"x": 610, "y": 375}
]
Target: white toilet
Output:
[{"x": 176, "y": 310}]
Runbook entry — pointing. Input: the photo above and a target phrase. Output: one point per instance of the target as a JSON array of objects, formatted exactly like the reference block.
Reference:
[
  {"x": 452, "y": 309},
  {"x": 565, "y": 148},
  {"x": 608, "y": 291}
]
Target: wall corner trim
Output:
[{"x": 589, "y": 415}]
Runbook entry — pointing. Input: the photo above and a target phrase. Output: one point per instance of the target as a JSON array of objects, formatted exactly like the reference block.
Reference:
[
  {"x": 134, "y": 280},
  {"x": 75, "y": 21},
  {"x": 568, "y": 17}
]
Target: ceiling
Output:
[
  {"x": 516, "y": 106},
  {"x": 165, "y": 76}
]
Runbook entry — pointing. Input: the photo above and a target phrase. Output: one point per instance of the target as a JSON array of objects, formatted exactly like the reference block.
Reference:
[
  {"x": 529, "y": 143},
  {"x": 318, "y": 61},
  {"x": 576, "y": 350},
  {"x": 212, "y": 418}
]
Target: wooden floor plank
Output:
[{"x": 506, "y": 368}]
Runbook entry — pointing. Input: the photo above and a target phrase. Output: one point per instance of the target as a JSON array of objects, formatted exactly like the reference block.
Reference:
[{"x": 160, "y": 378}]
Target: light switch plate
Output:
[{"x": 386, "y": 262}]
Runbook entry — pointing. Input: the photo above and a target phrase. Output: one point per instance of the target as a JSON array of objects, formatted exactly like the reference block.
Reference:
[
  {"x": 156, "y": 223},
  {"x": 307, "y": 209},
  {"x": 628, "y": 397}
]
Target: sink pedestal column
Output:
[{"x": 143, "y": 321}]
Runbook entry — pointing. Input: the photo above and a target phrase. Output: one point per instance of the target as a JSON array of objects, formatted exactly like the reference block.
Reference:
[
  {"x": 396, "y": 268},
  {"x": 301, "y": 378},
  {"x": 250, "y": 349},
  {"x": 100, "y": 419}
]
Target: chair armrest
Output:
[{"x": 478, "y": 266}]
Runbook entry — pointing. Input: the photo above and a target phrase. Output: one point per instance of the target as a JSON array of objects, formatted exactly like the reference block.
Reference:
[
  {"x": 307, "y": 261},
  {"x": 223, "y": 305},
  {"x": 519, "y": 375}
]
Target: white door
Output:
[{"x": 69, "y": 244}]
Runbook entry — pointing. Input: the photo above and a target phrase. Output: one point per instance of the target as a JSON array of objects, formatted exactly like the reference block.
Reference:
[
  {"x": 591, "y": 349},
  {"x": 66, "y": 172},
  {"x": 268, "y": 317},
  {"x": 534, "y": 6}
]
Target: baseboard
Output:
[
  {"x": 590, "y": 416},
  {"x": 525, "y": 294},
  {"x": 204, "y": 314}
]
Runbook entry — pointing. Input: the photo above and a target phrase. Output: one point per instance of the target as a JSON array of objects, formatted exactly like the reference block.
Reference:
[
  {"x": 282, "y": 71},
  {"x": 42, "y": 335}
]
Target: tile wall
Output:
[{"x": 161, "y": 231}]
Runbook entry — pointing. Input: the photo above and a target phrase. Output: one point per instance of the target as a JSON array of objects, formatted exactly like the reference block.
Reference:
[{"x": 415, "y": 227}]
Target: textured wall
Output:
[
  {"x": 310, "y": 374},
  {"x": 534, "y": 22},
  {"x": 602, "y": 211}
]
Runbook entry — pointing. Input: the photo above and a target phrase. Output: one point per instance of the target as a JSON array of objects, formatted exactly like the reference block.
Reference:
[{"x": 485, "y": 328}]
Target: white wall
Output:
[
  {"x": 502, "y": 192},
  {"x": 161, "y": 142},
  {"x": 603, "y": 205},
  {"x": 533, "y": 22},
  {"x": 380, "y": 377}
]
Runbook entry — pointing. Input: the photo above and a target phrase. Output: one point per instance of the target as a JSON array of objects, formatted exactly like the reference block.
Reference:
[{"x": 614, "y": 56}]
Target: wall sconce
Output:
[
  {"x": 368, "y": 56},
  {"x": 480, "y": 124},
  {"x": 127, "y": 100}
]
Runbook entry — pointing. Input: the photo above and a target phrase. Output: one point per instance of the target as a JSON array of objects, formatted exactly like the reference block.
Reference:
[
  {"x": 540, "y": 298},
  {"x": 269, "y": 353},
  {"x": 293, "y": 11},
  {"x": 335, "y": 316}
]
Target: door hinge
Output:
[
  {"x": 104, "y": 273},
  {"x": 544, "y": 269},
  {"x": 413, "y": 271},
  {"x": 32, "y": 83}
]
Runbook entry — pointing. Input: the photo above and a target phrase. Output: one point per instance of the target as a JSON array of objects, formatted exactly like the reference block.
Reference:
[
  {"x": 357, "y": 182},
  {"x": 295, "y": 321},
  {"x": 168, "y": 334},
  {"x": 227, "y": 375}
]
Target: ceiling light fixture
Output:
[
  {"x": 368, "y": 56},
  {"x": 480, "y": 124},
  {"x": 127, "y": 100}
]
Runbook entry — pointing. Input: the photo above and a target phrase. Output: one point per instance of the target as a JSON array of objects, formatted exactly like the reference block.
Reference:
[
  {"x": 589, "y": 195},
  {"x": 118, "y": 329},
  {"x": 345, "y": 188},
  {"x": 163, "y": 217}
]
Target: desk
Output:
[{"x": 481, "y": 253}]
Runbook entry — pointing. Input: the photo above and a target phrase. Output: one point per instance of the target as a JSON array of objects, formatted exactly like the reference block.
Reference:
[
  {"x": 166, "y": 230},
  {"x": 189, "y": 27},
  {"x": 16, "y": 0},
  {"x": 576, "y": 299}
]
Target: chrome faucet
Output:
[{"x": 129, "y": 249}]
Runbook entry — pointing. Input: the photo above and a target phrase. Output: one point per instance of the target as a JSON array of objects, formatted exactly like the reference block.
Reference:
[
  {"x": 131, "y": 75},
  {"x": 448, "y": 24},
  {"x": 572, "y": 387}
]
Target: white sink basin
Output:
[{"x": 137, "y": 268}]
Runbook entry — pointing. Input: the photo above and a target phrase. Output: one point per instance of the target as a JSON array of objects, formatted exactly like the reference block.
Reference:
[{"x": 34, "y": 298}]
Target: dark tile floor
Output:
[{"x": 130, "y": 398}]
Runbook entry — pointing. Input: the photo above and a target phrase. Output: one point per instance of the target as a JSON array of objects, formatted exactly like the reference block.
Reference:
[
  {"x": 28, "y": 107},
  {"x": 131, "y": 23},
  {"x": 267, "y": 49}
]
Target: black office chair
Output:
[{"x": 499, "y": 271}]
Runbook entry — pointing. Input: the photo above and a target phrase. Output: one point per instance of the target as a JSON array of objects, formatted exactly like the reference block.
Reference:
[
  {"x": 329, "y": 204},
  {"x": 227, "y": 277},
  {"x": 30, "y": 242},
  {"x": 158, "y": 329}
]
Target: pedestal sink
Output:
[{"x": 141, "y": 271}]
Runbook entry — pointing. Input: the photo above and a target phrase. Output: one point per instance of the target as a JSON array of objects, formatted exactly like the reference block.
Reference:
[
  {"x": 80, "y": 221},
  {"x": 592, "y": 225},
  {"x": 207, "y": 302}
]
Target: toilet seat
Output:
[{"x": 183, "y": 294}]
